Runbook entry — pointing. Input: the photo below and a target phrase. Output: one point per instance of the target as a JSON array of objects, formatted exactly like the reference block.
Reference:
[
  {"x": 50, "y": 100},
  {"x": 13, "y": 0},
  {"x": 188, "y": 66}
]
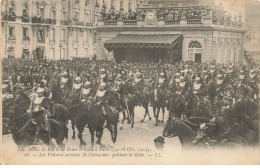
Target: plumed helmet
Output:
[
  {"x": 87, "y": 84},
  {"x": 138, "y": 74},
  {"x": 102, "y": 85},
  {"x": 77, "y": 78},
  {"x": 40, "y": 90}
]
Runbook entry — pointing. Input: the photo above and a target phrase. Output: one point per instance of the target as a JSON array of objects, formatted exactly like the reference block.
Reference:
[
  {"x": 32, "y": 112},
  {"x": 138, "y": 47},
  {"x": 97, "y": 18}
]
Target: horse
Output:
[
  {"x": 158, "y": 102},
  {"x": 176, "y": 127},
  {"x": 113, "y": 107},
  {"x": 95, "y": 120},
  {"x": 56, "y": 132},
  {"x": 77, "y": 115},
  {"x": 22, "y": 129},
  {"x": 60, "y": 111}
]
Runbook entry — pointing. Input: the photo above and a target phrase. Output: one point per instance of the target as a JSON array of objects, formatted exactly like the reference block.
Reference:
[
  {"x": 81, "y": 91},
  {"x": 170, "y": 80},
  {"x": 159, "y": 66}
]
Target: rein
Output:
[{"x": 23, "y": 127}]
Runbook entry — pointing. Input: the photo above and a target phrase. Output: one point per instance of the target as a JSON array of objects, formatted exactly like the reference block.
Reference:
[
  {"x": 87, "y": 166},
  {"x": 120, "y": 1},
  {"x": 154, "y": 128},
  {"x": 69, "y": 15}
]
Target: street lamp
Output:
[{"x": 60, "y": 54}]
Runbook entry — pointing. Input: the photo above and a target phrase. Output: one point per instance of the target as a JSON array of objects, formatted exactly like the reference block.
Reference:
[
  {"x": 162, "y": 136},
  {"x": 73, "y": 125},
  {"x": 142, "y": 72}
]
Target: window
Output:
[
  {"x": 75, "y": 54},
  {"x": 52, "y": 35},
  {"x": 11, "y": 32},
  {"x": 63, "y": 35},
  {"x": 87, "y": 2},
  {"x": 195, "y": 44},
  {"x": 87, "y": 17},
  {"x": 41, "y": 36},
  {"x": 63, "y": 15},
  {"x": 129, "y": 5},
  {"x": 53, "y": 14},
  {"x": 10, "y": 52},
  {"x": 76, "y": 36},
  {"x": 86, "y": 37},
  {"x": 52, "y": 53},
  {"x": 112, "y": 3},
  {"x": 86, "y": 52},
  {"x": 63, "y": 53},
  {"x": 25, "y": 33},
  {"x": 42, "y": 12},
  {"x": 121, "y": 4}
]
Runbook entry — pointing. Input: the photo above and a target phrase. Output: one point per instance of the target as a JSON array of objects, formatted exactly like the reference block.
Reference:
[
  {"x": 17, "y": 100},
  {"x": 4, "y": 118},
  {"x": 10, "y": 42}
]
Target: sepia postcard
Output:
[{"x": 130, "y": 82}]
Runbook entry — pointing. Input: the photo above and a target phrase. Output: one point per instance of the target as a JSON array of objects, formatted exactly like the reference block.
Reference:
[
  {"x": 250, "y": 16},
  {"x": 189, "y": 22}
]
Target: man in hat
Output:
[{"x": 159, "y": 142}]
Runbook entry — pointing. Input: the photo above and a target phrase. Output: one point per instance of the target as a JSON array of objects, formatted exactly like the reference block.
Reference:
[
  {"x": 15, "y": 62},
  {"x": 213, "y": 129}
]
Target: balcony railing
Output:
[
  {"x": 221, "y": 22},
  {"x": 228, "y": 23},
  {"x": 194, "y": 21},
  {"x": 110, "y": 22},
  {"x": 79, "y": 23},
  {"x": 25, "y": 19},
  {"x": 234, "y": 24},
  {"x": 26, "y": 38},
  {"x": 41, "y": 41},
  {"x": 130, "y": 22},
  {"x": 215, "y": 22},
  {"x": 48, "y": 21},
  {"x": 172, "y": 22},
  {"x": 88, "y": 24},
  {"x": 38, "y": 20},
  {"x": 64, "y": 22}
]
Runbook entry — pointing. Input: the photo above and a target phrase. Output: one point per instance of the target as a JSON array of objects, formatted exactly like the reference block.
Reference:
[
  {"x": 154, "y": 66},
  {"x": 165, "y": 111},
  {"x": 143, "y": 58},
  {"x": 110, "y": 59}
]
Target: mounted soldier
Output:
[
  {"x": 102, "y": 76},
  {"x": 87, "y": 93},
  {"x": 77, "y": 85},
  {"x": 101, "y": 97},
  {"x": 37, "y": 106},
  {"x": 139, "y": 85}
]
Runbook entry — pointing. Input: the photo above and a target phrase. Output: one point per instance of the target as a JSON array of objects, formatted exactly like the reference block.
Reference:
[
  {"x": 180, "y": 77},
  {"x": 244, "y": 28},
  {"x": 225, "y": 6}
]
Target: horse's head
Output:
[
  {"x": 47, "y": 103},
  {"x": 21, "y": 99},
  {"x": 168, "y": 129},
  {"x": 73, "y": 99}
]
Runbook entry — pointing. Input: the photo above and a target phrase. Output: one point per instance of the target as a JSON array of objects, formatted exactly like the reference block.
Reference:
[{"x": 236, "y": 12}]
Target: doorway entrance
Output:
[{"x": 198, "y": 57}]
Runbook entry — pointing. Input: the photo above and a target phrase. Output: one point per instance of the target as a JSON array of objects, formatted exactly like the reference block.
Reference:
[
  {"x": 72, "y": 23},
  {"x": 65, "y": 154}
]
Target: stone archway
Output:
[{"x": 195, "y": 51}]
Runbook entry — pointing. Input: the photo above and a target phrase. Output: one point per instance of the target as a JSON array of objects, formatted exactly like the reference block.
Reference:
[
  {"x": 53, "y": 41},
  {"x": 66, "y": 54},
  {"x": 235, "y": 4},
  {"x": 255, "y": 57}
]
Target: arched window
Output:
[
  {"x": 194, "y": 51},
  {"x": 195, "y": 44}
]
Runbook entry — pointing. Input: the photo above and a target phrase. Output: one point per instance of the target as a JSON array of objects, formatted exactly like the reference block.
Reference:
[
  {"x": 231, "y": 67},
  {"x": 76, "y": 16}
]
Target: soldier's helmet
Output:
[
  {"x": 182, "y": 79},
  {"x": 40, "y": 90},
  {"x": 162, "y": 75},
  {"x": 102, "y": 86},
  {"x": 219, "y": 76},
  {"x": 197, "y": 80},
  {"x": 138, "y": 74},
  {"x": 102, "y": 71},
  {"x": 87, "y": 84}
]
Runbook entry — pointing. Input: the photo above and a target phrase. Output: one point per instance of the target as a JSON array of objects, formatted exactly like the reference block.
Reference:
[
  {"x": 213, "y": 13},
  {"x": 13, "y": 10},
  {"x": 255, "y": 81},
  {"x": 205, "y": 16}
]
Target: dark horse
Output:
[
  {"x": 158, "y": 102},
  {"x": 24, "y": 131}
]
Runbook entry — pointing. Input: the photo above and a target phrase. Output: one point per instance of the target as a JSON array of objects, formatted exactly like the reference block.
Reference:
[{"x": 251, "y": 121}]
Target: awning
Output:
[{"x": 158, "y": 41}]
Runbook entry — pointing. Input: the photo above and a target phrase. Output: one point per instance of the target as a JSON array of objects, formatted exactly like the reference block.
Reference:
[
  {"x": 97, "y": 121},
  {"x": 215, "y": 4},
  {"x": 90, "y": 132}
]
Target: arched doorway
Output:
[{"x": 195, "y": 51}]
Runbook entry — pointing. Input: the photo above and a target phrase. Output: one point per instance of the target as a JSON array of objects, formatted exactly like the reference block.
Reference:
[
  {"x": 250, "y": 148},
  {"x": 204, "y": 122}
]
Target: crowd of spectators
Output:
[{"x": 164, "y": 14}]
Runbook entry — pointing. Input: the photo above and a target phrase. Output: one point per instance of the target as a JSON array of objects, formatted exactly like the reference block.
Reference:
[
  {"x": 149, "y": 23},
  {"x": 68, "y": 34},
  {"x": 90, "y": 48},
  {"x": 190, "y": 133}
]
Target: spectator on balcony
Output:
[
  {"x": 4, "y": 15},
  {"x": 12, "y": 15},
  {"x": 25, "y": 16}
]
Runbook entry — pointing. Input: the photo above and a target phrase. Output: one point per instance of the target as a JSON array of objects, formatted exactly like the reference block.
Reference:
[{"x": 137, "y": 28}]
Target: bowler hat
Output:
[{"x": 159, "y": 139}]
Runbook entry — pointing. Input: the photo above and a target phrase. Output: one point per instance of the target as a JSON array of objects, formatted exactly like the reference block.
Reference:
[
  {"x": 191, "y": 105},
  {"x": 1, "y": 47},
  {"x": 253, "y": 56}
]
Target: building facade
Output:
[
  {"x": 197, "y": 30},
  {"x": 208, "y": 31},
  {"x": 48, "y": 28}
]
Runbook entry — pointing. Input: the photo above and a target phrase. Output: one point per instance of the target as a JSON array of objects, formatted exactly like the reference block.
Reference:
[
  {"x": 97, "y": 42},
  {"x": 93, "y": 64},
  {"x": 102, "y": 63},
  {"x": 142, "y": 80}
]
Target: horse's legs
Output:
[
  {"x": 99, "y": 135},
  {"x": 81, "y": 129},
  {"x": 73, "y": 128},
  {"x": 124, "y": 116},
  {"x": 115, "y": 133},
  {"x": 163, "y": 112},
  {"x": 157, "y": 116},
  {"x": 132, "y": 116},
  {"x": 91, "y": 130},
  {"x": 146, "y": 112}
]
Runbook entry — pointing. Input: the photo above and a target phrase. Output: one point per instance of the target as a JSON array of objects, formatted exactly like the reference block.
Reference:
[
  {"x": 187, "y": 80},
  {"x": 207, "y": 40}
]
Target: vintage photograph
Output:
[{"x": 130, "y": 81}]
